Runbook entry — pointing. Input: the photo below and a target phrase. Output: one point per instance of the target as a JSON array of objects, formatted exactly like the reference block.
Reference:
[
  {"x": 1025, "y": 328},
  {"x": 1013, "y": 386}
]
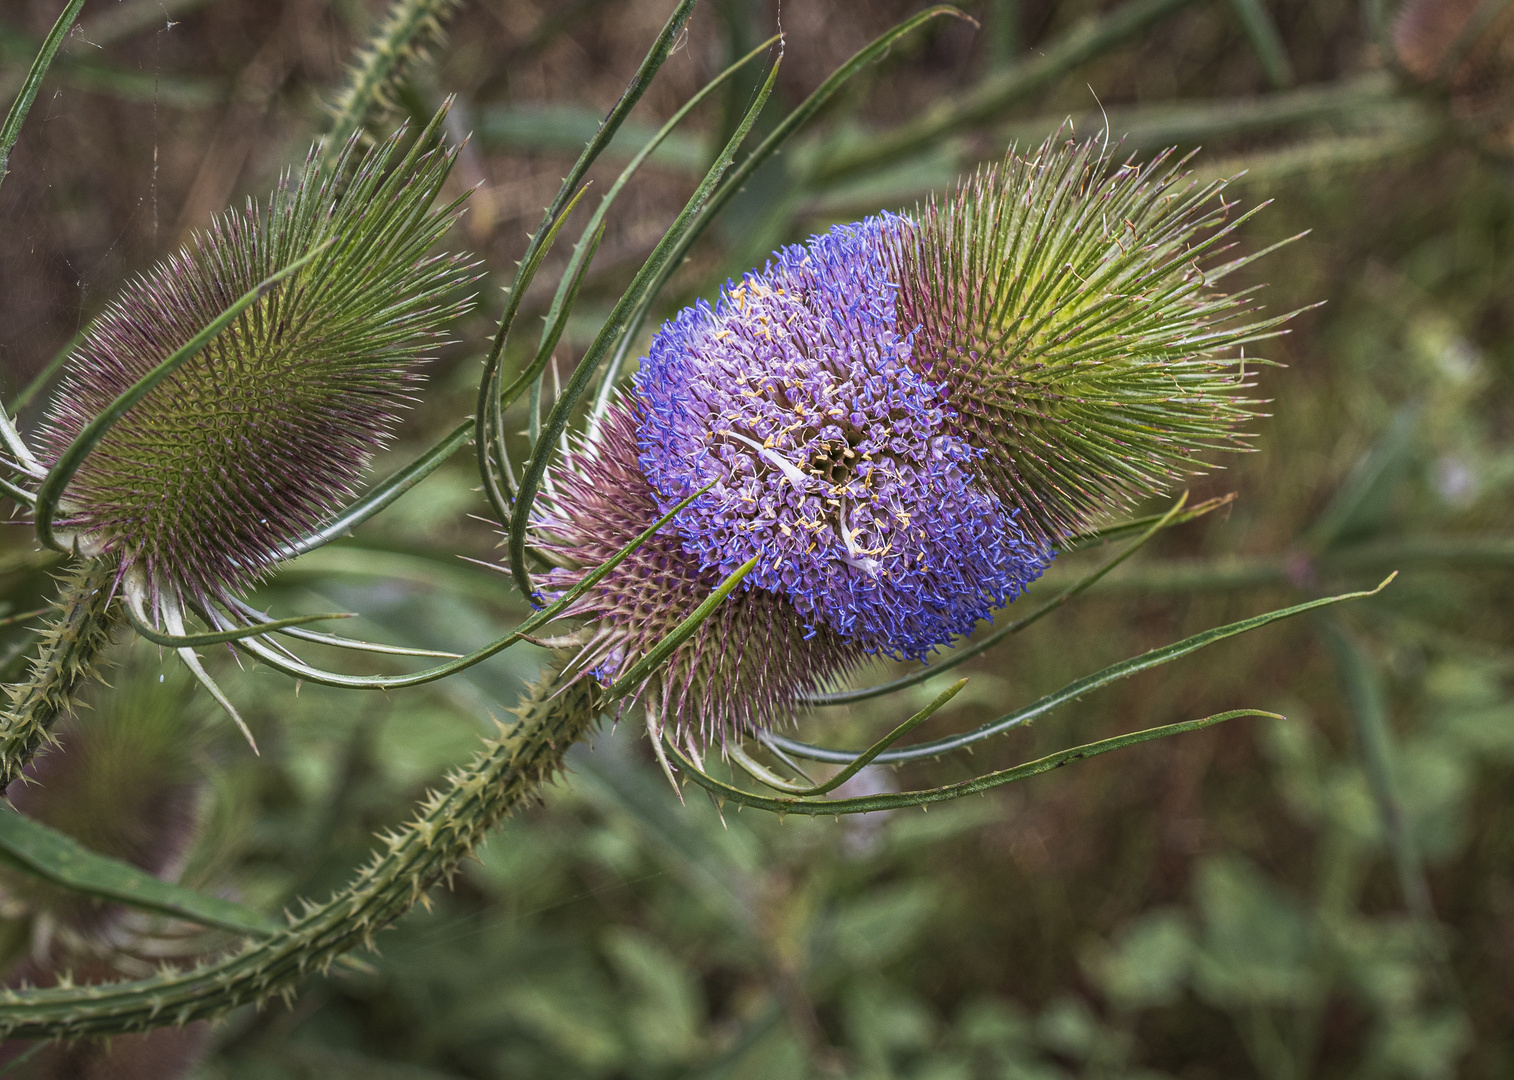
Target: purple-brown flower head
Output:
[
  {"x": 261, "y": 435},
  {"x": 1063, "y": 303},
  {"x": 747, "y": 663},
  {"x": 832, "y": 462}
]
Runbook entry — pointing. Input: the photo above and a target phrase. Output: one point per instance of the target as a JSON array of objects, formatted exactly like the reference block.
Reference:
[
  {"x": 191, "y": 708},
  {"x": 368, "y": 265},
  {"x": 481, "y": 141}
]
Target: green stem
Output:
[
  {"x": 447, "y": 827},
  {"x": 408, "y": 31},
  {"x": 71, "y": 645}
]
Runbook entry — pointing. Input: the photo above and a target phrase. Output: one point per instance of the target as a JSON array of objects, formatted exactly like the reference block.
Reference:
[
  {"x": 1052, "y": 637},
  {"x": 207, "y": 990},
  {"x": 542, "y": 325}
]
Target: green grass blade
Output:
[
  {"x": 1266, "y": 42},
  {"x": 866, "y": 804},
  {"x": 661, "y": 258},
  {"x": 48, "y": 854},
  {"x": 10, "y": 130},
  {"x": 73, "y": 457},
  {"x": 1115, "y": 672},
  {"x": 632, "y": 679},
  {"x": 1088, "y": 39},
  {"x": 489, "y": 407},
  {"x": 961, "y": 656},
  {"x": 786, "y": 128}
]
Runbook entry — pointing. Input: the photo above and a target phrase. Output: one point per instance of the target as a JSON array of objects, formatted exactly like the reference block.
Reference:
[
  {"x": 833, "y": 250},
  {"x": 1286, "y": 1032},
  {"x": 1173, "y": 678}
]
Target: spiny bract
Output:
[
  {"x": 1085, "y": 350},
  {"x": 261, "y": 435}
]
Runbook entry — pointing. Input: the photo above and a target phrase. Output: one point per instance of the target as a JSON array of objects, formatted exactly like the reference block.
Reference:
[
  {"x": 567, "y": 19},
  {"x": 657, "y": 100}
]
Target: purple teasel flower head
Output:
[{"x": 833, "y": 463}]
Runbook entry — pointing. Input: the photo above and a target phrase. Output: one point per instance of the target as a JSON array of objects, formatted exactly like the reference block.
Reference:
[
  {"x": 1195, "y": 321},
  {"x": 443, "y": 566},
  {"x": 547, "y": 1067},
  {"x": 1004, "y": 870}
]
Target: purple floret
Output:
[{"x": 832, "y": 457}]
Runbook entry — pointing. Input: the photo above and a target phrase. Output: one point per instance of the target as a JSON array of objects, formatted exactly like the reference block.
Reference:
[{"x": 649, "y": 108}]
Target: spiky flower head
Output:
[
  {"x": 1063, "y": 303},
  {"x": 262, "y": 434},
  {"x": 831, "y": 462},
  {"x": 743, "y": 669}
]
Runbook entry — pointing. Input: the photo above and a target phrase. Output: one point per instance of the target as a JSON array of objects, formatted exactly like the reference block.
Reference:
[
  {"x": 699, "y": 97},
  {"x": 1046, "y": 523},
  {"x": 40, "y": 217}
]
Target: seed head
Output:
[{"x": 263, "y": 433}]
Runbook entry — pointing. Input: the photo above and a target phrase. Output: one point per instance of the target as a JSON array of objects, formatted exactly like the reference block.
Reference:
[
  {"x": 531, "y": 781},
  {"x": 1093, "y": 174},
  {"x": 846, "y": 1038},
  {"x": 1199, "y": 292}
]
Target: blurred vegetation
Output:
[{"x": 1330, "y": 895}]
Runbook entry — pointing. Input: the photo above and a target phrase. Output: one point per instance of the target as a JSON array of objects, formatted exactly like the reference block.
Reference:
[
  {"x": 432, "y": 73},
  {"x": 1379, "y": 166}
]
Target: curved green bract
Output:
[
  {"x": 70, "y": 649},
  {"x": 489, "y": 404},
  {"x": 383, "y": 493},
  {"x": 649, "y": 663},
  {"x": 446, "y": 828},
  {"x": 961, "y": 656},
  {"x": 867, "y": 804},
  {"x": 490, "y": 416},
  {"x": 523, "y": 632},
  {"x": 557, "y": 420},
  {"x": 728, "y": 188},
  {"x": 1123, "y": 670},
  {"x": 583, "y": 251},
  {"x": 74, "y": 455},
  {"x": 337, "y": 642},
  {"x": 220, "y": 637},
  {"x": 866, "y": 758},
  {"x": 46, "y": 853}
]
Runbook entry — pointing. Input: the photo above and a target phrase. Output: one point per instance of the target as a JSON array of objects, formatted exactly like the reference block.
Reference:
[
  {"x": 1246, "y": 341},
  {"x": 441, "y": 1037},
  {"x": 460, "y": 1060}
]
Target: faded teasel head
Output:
[
  {"x": 1065, "y": 303},
  {"x": 200, "y": 487}
]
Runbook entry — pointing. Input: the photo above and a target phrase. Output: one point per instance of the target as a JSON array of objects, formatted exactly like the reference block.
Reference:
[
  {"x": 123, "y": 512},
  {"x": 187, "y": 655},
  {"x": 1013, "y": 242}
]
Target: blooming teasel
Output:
[
  {"x": 896, "y": 424},
  {"x": 741, "y": 660}
]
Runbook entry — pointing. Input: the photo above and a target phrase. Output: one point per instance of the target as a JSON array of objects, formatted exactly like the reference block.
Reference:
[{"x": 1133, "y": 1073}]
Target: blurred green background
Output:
[{"x": 1330, "y": 895}]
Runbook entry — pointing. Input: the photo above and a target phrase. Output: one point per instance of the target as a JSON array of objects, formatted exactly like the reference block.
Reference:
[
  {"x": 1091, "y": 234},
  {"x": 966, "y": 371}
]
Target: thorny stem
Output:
[
  {"x": 446, "y": 828},
  {"x": 71, "y": 645}
]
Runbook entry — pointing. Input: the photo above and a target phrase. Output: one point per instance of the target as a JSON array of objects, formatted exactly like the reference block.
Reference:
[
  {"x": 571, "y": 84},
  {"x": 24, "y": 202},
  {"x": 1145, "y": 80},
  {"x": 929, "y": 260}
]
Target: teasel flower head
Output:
[
  {"x": 745, "y": 666},
  {"x": 831, "y": 462},
  {"x": 1063, "y": 303},
  {"x": 199, "y": 488}
]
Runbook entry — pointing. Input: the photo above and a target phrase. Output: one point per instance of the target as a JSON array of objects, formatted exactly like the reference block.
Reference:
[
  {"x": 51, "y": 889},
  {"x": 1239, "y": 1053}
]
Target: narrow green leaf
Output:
[
  {"x": 639, "y": 671},
  {"x": 10, "y": 130},
  {"x": 865, "y": 804},
  {"x": 615, "y": 324},
  {"x": 1115, "y": 672},
  {"x": 966, "y": 653},
  {"x": 48, "y": 854}
]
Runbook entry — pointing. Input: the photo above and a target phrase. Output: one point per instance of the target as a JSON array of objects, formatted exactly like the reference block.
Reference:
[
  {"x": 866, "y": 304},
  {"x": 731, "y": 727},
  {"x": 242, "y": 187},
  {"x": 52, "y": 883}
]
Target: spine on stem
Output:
[
  {"x": 71, "y": 647},
  {"x": 446, "y": 828}
]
